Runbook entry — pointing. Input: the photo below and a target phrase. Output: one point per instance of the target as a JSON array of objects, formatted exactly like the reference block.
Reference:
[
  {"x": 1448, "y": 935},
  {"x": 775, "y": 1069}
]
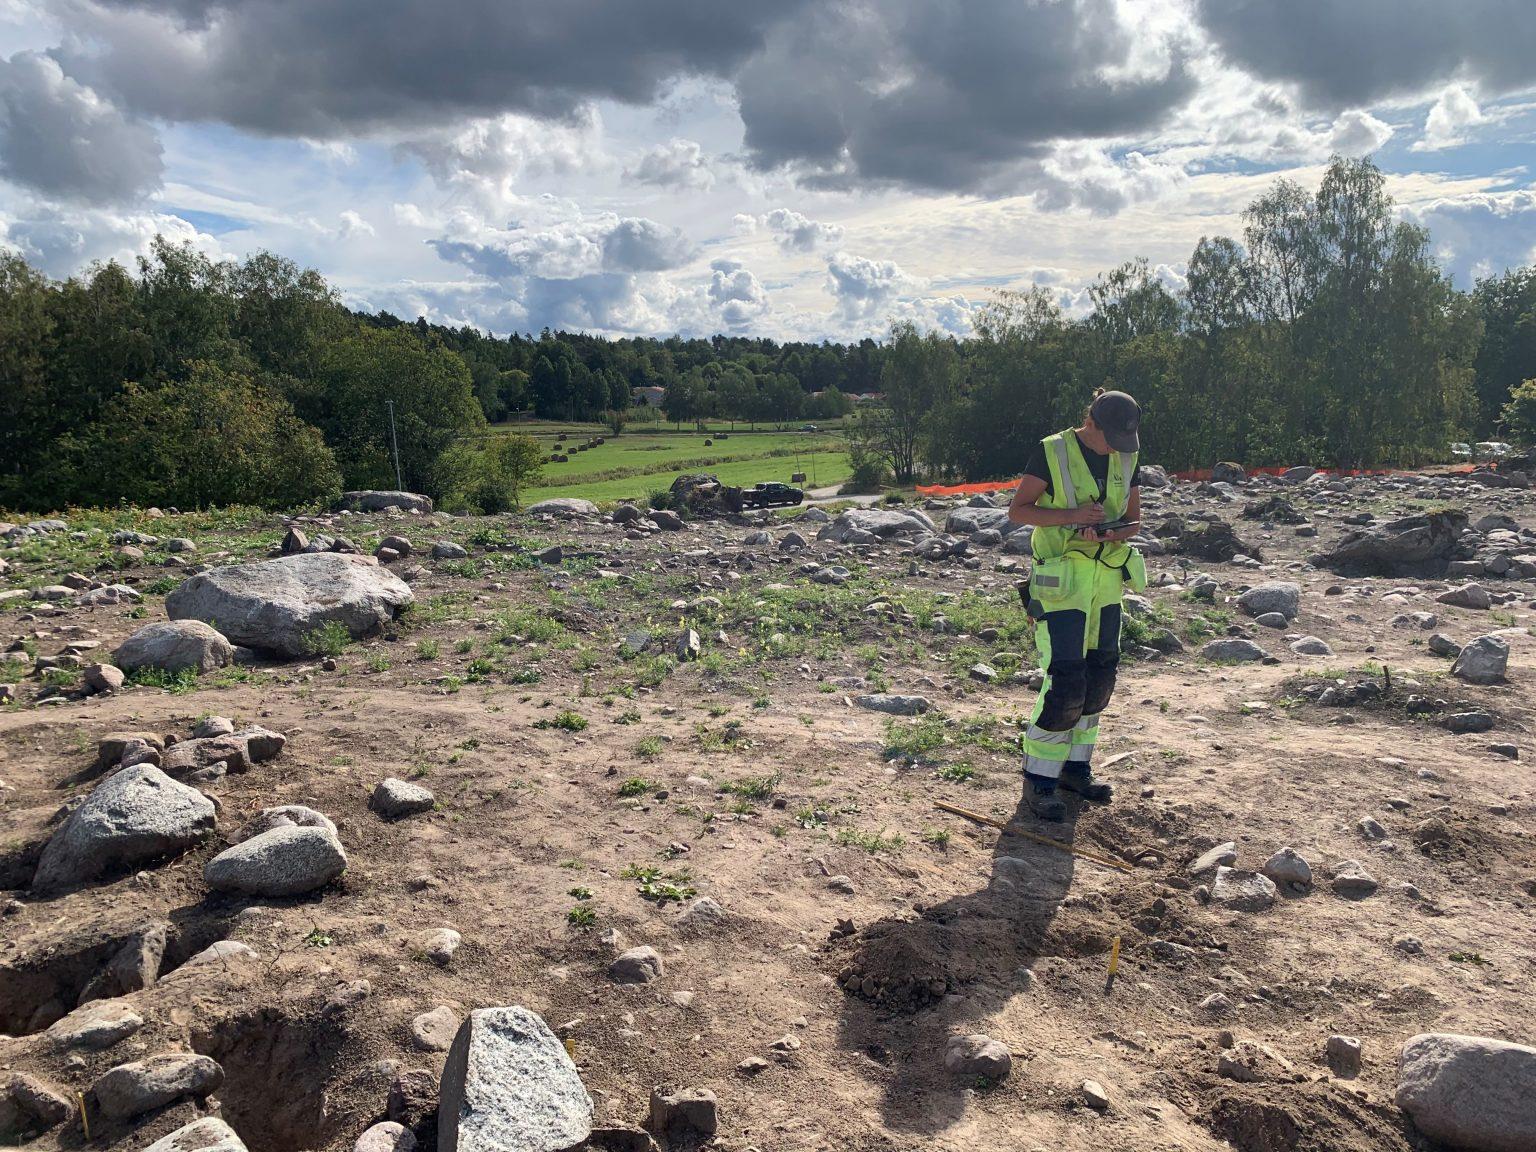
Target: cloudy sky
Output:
[{"x": 791, "y": 168}]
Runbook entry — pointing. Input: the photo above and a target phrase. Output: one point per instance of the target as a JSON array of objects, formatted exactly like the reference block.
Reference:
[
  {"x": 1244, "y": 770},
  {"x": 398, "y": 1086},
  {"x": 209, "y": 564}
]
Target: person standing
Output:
[{"x": 1080, "y": 492}]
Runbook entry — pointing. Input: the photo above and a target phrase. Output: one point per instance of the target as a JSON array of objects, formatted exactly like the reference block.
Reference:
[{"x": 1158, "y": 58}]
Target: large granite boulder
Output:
[
  {"x": 968, "y": 521},
  {"x": 377, "y": 501},
  {"x": 563, "y": 506},
  {"x": 881, "y": 522},
  {"x": 175, "y": 645},
  {"x": 1419, "y": 545},
  {"x": 1470, "y": 1092},
  {"x": 276, "y": 605},
  {"x": 510, "y": 1086},
  {"x": 284, "y": 861},
  {"x": 210, "y": 1134},
  {"x": 135, "y": 815}
]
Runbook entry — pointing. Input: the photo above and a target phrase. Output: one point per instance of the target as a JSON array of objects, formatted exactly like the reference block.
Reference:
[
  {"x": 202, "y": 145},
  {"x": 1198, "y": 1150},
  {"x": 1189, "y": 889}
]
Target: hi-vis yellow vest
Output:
[{"x": 1072, "y": 486}]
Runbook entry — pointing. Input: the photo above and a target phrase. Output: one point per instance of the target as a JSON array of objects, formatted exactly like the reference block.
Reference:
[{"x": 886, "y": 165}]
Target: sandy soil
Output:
[{"x": 962, "y": 929}]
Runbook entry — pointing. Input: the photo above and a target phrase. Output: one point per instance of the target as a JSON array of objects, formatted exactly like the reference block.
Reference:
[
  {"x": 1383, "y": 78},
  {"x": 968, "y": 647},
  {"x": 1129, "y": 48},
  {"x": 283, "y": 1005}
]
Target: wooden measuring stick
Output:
[{"x": 1046, "y": 840}]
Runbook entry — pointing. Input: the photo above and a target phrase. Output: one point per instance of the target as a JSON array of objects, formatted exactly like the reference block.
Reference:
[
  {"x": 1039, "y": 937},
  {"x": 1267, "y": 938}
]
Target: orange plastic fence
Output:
[{"x": 966, "y": 489}]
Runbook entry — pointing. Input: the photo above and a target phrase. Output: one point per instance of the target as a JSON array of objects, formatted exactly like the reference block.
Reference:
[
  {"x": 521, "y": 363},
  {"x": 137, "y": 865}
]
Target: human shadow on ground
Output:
[{"x": 945, "y": 971}]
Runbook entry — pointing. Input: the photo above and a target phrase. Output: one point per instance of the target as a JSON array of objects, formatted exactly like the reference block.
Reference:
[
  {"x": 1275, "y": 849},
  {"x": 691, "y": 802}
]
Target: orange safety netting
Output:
[{"x": 965, "y": 489}]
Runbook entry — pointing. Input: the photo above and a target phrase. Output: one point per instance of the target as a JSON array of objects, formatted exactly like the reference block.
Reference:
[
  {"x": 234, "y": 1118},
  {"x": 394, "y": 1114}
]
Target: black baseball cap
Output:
[{"x": 1118, "y": 416}]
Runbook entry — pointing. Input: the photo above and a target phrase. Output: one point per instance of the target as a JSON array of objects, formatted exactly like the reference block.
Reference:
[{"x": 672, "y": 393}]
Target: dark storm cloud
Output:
[
  {"x": 1351, "y": 52},
  {"x": 60, "y": 139},
  {"x": 316, "y": 69},
  {"x": 925, "y": 93},
  {"x": 940, "y": 95}
]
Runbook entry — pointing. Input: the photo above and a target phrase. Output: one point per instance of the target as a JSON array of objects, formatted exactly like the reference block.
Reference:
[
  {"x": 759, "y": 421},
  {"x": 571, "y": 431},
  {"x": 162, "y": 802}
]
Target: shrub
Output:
[{"x": 330, "y": 639}]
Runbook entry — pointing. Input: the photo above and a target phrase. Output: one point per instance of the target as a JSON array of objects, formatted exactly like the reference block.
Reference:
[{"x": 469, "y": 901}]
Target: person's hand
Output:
[{"x": 1089, "y": 514}]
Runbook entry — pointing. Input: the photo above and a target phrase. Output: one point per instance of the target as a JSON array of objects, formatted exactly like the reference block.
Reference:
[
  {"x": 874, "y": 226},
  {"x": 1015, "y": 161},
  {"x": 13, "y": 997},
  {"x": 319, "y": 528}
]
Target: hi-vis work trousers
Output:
[{"x": 1079, "y": 644}]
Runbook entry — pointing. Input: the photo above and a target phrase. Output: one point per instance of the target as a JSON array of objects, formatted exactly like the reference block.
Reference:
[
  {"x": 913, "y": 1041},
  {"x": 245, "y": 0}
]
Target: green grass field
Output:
[{"x": 635, "y": 463}]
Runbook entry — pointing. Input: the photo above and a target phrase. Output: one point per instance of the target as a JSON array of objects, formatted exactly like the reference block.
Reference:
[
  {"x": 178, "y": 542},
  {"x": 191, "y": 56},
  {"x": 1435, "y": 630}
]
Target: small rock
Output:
[
  {"x": 893, "y": 704},
  {"x": 1343, "y": 1054},
  {"x": 1094, "y": 1096},
  {"x": 132, "y": 1089},
  {"x": 1287, "y": 867},
  {"x": 1223, "y": 855},
  {"x": 439, "y": 945},
  {"x": 978, "y": 1055},
  {"x": 1351, "y": 880},
  {"x": 1242, "y": 891},
  {"x": 434, "y": 1031},
  {"x": 684, "y": 1110},
  {"x": 636, "y": 966},
  {"x": 386, "y": 1137},
  {"x": 1484, "y": 661},
  {"x": 394, "y": 798}
]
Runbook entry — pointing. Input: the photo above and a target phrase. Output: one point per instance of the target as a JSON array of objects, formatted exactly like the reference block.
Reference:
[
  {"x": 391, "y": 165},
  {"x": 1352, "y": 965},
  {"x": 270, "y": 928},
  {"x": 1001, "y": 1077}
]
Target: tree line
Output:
[{"x": 1327, "y": 334}]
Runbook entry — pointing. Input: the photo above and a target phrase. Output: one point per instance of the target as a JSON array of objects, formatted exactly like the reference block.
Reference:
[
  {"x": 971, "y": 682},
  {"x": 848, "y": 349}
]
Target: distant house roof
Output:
[{"x": 652, "y": 395}]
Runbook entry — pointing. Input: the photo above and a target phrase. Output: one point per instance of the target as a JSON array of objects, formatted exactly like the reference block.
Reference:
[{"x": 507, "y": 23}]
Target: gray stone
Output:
[
  {"x": 136, "y": 815},
  {"x": 380, "y": 501},
  {"x": 1484, "y": 661},
  {"x": 1442, "y": 645},
  {"x": 102, "y": 677},
  {"x": 174, "y": 645},
  {"x": 1276, "y": 596},
  {"x": 510, "y": 1086},
  {"x": 130, "y": 1090},
  {"x": 702, "y": 917},
  {"x": 687, "y": 647},
  {"x": 219, "y": 952},
  {"x": 1222, "y": 855},
  {"x": 977, "y": 1055},
  {"x": 684, "y": 1110},
  {"x": 386, "y": 1136},
  {"x": 1232, "y": 650},
  {"x": 893, "y": 704},
  {"x": 1411, "y": 546},
  {"x": 1288, "y": 867},
  {"x": 1343, "y": 1053},
  {"x": 563, "y": 506},
  {"x": 1470, "y": 1092},
  {"x": 281, "y": 862},
  {"x": 210, "y": 1134},
  {"x": 1311, "y": 646},
  {"x": 1242, "y": 891},
  {"x": 969, "y": 521},
  {"x": 213, "y": 726},
  {"x": 283, "y": 816},
  {"x": 134, "y": 966},
  {"x": 876, "y": 522},
  {"x": 1094, "y": 1096},
  {"x": 439, "y": 945},
  {"x": 275, "y": 605},
  {"x": 1272, "y": 620},
  {"x": 1467, "y": 596},
  {"x": 98, "y": 1024},
  {"x": 637, "y": 966},
  {"x": 29, "y": 1105},
  {"x": 1352, "y": 881},
  {"x": 434, "y": 1031},
  {"x": 393, "y": 798},
  {"x": 448, "y": 550},
  {"x": 1228, "y": 472},
  {"x": 1248, "y": 1062}
]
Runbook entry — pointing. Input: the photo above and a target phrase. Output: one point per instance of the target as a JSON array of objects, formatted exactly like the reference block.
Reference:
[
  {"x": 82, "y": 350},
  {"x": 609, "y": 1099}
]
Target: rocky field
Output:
[{"x": 599, "y": 829}]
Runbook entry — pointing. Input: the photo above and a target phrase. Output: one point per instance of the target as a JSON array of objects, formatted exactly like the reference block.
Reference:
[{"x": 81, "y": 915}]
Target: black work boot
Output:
[
  {"x": 1043, "y": 801},
  {"x": 1079, "y": 778}
]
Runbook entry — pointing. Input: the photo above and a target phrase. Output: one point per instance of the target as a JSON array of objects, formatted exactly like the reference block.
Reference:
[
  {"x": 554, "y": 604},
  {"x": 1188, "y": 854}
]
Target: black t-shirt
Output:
[{"x": 1098, "y": 465}]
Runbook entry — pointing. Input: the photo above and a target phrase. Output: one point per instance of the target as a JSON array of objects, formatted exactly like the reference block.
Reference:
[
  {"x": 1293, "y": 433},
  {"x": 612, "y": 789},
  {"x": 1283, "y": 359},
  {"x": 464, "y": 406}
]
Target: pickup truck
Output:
[{"x": 771, "y": 494}]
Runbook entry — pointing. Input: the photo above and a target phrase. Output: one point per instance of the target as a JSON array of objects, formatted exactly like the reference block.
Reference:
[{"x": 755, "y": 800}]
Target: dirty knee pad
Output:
[
  {"x": 1065, "y": 697},
  {"x": 1102, "y": 668}
]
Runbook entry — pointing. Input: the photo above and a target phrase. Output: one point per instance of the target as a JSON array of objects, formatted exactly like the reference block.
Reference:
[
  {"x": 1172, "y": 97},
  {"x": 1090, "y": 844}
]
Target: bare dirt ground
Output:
[{"x": 752, "y": 778}]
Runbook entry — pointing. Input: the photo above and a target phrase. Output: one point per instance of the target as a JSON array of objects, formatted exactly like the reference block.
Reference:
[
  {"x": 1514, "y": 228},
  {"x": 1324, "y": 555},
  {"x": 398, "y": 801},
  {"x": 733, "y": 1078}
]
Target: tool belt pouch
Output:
[
  {"x": 1135, "y": 571},
  {"x": 1054, "y": 582}
]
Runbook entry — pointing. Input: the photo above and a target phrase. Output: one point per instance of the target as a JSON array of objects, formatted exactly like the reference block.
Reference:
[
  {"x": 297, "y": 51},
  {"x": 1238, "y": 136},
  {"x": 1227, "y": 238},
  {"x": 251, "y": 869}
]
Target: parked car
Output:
[
  {"x": 771, "y": 494},
  {"x": 809, "y": 428}
]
